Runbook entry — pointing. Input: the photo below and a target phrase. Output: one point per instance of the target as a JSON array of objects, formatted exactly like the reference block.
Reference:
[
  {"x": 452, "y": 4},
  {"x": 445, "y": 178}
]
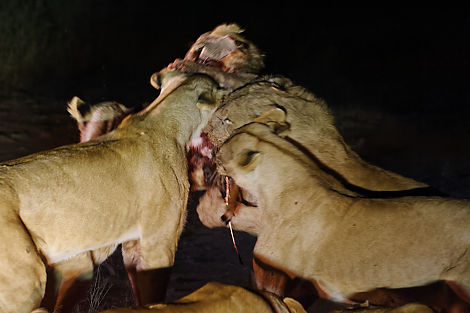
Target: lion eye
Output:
[
  {"x": 227, "y": 121},
  {"x": 241, "y": 44}
]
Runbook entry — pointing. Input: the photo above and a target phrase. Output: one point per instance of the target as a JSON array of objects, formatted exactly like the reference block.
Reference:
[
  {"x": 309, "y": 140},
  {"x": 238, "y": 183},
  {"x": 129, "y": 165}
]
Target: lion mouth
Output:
[
  {"x": 214, "y": 52},
  {"x": 202, "y": 167},
  {"x": 210, "y": 62},
  {"x": 203, "y": 175}
]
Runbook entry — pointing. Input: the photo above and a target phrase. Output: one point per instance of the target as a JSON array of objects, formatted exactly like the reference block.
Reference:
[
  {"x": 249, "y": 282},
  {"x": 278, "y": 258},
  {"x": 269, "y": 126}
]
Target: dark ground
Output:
[{"x": 396, "y": 82}]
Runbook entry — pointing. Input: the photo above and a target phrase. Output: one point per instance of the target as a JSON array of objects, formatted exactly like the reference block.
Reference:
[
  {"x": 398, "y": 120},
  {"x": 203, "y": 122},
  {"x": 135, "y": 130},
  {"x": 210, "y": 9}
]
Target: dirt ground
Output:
[{"x": 429, "y": 146}]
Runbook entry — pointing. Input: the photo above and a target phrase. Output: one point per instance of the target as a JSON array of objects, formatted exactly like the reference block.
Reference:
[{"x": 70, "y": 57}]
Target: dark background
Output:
[
  {"x": 397, "y": 59},
  {"x": 396, "y": 81}
]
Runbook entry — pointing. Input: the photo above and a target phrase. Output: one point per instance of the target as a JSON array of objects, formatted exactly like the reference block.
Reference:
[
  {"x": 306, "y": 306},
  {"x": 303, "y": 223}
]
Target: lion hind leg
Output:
[
  {"x": 458, "y": 277},
  {"x": 23, "y": 274},
  {"x": 461, "y": 290}
]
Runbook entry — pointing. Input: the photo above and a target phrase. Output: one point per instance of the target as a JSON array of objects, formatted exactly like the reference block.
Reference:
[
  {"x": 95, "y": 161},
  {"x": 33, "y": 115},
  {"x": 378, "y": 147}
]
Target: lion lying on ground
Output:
[
  {"x": 221, "y": 298},
  {"x": 345, "y": 242},
  {"x": 129, "y": 186}
]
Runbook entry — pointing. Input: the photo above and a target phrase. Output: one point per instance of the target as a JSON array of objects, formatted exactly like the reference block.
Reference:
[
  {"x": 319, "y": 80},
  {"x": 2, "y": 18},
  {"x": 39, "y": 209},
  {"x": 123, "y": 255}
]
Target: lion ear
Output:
[
  {"x": 76, "y": 108},
  {"x": 249, "y": 160},
  {"x": 208, "y": 100},
  {"x": 275, "y": 118},
  {"x": 294, "y": 306}
]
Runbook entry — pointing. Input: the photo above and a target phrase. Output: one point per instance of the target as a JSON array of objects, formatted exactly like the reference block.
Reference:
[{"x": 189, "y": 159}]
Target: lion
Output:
[
  {"x": 94, "y": 120},
  {"x": 129, "y": 186},
  {"x": 220, "y": 298},
  {"x": 299, "y": 115},
  {"x": 348, "y": 243}
]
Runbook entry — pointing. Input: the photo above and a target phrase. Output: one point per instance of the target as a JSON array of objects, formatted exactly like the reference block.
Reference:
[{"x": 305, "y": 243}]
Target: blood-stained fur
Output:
[
  {"x": 225, "y": 55},
  {"x": 230, "y": 59},
  {"x": 345, "y": 242}
]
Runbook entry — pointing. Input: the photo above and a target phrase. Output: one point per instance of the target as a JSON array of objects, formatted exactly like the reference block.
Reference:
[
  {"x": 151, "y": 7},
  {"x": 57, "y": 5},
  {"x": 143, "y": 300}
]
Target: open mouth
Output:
[
  {"x": 203, "y": 175},
  {"x": 210, "y": 62},
  {"x": 213, "y": 51}
]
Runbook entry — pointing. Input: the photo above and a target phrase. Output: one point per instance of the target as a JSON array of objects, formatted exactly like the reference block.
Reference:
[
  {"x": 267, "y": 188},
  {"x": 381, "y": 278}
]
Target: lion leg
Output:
[
  {"x": 153, "y": 284},
  {"x": 267, "y": 278},
  {"x": 23, "y": 274},
  {"x": 264, "y": 277},
  {"x": 160, "y": 229},
  {"x": 73, "y": 278},
  {"x": 458, "y": 277},
  {"x": 462, "y": 290},
  {"x": 148, "y": 286}
]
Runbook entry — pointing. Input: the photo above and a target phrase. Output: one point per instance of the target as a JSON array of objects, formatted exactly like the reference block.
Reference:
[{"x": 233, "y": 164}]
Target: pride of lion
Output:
[{"x": 319, "y": 211}]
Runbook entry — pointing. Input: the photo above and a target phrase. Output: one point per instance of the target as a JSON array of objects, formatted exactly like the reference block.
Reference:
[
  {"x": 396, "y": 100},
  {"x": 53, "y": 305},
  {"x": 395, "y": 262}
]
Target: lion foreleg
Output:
[
  {"x": 461, "y": 290},
  {"x": 131, "y": 258},
  {"x": 148, "y": 286}
]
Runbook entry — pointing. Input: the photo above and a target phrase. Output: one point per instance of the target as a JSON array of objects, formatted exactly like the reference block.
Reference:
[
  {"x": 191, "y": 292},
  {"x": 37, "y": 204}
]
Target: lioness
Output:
[
  {"x": 348, "y": 243},
  {"x": 129, "y": 186},
  {"x": 296, "y": 113},
  {"x": 221, "y": 298}
]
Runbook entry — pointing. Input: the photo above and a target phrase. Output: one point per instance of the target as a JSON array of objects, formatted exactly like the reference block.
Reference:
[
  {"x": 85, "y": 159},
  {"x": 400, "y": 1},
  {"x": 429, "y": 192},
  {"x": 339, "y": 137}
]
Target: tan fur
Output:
[
  {"x": 292, "y": 112},
  {"x": 221, "y": 298},
  {"x": 408, "y": 308},
  {"x": 298, "y": 114},
  {"x": 129, "y": 185},
  {"x": 345, "y": 242}
]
